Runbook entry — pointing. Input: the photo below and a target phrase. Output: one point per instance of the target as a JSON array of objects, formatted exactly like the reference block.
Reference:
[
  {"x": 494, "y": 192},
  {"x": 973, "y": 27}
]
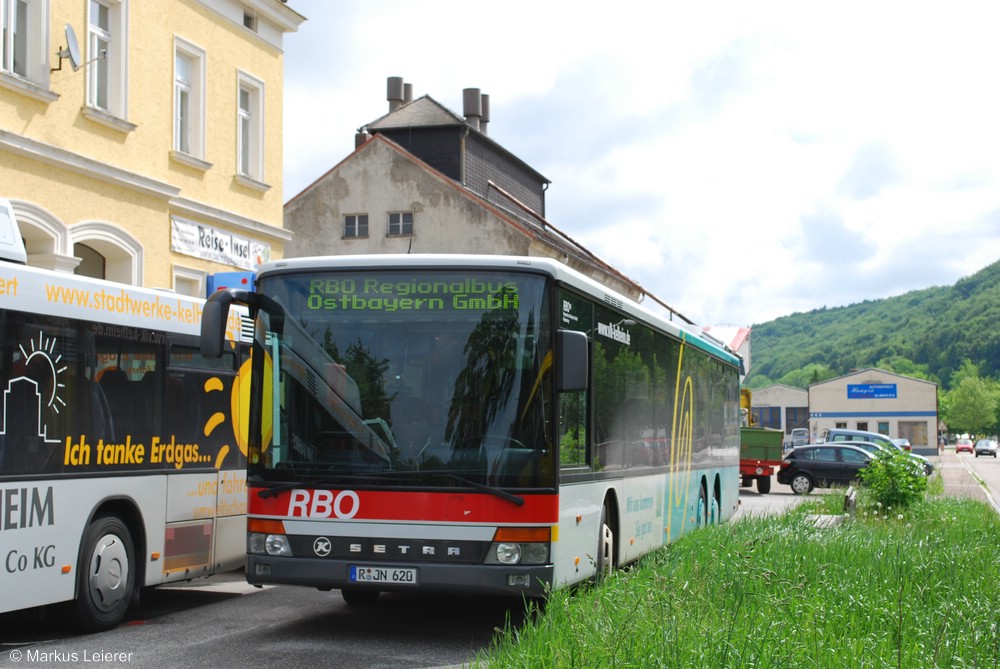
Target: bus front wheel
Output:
[{"x": 105, "y": 575}]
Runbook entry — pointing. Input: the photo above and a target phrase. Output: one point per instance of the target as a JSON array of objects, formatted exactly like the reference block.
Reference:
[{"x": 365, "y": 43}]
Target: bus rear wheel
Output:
[
  {"x": 105, "y": 576},
  {"x": 605, "y": 547}
]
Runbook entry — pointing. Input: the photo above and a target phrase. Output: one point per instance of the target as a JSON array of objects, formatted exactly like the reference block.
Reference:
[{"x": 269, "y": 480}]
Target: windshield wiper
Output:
[
  {"x": 502, "y": 494},
  {"x": 291, "y": 485}
]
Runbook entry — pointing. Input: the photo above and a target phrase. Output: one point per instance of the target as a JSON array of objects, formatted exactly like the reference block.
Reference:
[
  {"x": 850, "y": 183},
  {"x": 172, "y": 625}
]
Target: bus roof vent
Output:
[
  {"x": 613, "y": 301},
  {"x": 11, "y": 244}
]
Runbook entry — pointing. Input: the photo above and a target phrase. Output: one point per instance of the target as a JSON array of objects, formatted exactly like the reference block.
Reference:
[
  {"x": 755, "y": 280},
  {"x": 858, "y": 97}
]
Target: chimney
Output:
[
  {"x": 407, "y": 93},
  {"x": 472, "y": 106},
  {"x": 485, "y": 100},
  {"x": 394, "y": 92}
]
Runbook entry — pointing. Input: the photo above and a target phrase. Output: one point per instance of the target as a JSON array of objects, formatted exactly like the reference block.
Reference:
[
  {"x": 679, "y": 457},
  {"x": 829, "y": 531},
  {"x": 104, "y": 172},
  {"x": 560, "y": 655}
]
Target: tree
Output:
[{"x": 971, "y": 406}]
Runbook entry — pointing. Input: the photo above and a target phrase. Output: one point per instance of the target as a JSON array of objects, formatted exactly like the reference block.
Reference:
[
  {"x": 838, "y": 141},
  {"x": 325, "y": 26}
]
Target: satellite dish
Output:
[{"x": 72, "y": 50}]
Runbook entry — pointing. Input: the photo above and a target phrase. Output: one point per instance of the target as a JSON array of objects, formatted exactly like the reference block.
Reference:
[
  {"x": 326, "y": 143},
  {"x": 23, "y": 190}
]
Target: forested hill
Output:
[{"x": 925, "y": 333}]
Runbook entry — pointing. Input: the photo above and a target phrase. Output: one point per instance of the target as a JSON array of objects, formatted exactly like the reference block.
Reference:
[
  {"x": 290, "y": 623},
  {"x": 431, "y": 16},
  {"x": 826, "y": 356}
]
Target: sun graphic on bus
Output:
[
  {"x": 43, "y": 355},
  {"x": 239, "y": 407}
]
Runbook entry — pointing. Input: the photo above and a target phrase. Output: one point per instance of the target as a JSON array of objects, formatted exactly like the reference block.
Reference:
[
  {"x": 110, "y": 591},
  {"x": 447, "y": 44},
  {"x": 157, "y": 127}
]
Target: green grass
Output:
[{"x": 915, "y": 588}]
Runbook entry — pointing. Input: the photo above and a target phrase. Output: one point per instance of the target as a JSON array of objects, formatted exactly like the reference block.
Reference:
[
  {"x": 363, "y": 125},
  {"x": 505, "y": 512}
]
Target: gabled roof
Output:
[
  {"x": 426, "y": 112},
  {"x": 871, "y": 370}
]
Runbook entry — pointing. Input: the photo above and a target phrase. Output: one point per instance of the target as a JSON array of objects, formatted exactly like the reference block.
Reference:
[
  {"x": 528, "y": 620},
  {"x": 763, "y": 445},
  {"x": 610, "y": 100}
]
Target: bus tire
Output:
[
  {"x": 359, "y": 598},
  {"x": 605, "y": 546},
  {"x": 715, "y": 510},
  {"x": 105, "y": 576},
  {"x": 763, "y": 484},
  {"x": 701, "y": 512}
]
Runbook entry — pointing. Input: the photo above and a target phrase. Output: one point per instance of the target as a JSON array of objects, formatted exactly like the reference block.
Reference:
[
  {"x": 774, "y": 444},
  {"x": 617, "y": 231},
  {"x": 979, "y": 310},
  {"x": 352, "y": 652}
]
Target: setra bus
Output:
[
  {"x": 120, "y": 465},
  {"x": 471, "y": 424}
]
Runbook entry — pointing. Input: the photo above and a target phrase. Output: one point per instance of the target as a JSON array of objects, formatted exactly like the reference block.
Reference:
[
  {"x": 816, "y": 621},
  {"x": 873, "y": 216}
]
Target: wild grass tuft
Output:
[{"x": 893, "y": 588}]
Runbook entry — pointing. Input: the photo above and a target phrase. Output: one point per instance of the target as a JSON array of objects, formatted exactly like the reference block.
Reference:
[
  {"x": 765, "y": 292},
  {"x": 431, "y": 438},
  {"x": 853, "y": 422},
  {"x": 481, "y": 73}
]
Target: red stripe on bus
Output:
[{"x": 446, "y": 507}]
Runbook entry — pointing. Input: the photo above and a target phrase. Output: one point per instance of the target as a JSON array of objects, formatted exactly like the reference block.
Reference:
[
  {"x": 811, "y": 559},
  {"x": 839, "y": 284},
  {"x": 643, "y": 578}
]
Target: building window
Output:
[
  {"x": 189, "y": 281},
  {"x": 106, "y": 56},
  {"x": 23, "y": 27},
  {"x": 356, "y": 225},
  {"x": 250, "y": 128},
  {"x": 15, "y": 36},
  {"x": 401, "y": 224},
  {"x": 767, "y": 416},
  {"x": 189, "y": 99}
]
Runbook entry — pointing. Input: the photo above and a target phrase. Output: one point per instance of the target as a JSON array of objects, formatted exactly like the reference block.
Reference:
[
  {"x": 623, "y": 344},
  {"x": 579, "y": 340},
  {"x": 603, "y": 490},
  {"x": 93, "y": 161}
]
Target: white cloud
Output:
[{"x": 736, "y": 159}]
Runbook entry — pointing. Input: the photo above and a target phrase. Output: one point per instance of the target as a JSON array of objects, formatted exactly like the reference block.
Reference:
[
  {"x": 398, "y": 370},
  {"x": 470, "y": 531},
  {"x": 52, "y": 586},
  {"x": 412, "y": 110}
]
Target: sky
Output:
[{"x": 739, "y": 160}]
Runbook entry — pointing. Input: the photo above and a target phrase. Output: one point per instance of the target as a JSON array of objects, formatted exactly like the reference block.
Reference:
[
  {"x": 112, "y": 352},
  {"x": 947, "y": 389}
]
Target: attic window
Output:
[
  {"x": 249, "y": 20},
  {"x": 400, "y": 224},
  {"x": 356, "y": 225}
]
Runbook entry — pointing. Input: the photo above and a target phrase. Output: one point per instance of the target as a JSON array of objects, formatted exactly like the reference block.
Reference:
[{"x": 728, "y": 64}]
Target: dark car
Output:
[
  {"x": 822, "y": 466},
  {"x": 921, "y": 466},
  {"x": 986, "y": 447}
]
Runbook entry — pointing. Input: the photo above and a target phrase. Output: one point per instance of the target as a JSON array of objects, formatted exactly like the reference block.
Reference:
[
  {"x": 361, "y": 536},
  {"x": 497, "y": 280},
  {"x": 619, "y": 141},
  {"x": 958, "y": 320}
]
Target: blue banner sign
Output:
[{"x": 871, "y": 391}]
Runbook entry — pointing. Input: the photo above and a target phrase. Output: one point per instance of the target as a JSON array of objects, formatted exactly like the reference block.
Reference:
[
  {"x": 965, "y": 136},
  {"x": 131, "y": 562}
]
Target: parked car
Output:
[
  {"x": 840, "y": 434},
  {"x": 964, "y": 446},
  {"x": 822, "y": 466},
  {"x": 903, "y": 443},
  {"x": 986, "y": 447},
  {"x": 800, "y": 436},
  {"x": 919, "y": 468}
]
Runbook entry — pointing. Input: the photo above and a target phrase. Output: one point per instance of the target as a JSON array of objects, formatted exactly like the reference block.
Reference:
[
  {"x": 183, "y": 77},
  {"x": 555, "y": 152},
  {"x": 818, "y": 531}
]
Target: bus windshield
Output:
[{"x": 375, "y": 377}]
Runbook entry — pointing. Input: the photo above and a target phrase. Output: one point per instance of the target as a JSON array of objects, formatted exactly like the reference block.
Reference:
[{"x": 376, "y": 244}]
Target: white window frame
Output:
[
  {"x": 352, "y": 226},
  {"x": 107, "y": 58},
  {"x": 191, "y": 128},
  {"x": 188, "y": 277},
  {"x": 397, "y": 227},
  {"x": 33, "y": 61},
  {"x": 250, "y": 127}
]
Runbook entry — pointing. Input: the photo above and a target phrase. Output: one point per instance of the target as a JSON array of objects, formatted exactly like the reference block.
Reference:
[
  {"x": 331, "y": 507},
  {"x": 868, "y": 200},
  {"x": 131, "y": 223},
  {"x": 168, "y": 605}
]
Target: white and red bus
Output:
[
  {"x": 471, "y": 424},
  {"x": 120, "y": 467}
]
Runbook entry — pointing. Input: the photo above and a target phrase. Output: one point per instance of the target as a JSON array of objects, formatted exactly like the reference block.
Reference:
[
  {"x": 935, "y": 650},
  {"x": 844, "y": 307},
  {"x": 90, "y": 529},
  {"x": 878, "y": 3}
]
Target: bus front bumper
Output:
[{"x": 325, "y": 574}]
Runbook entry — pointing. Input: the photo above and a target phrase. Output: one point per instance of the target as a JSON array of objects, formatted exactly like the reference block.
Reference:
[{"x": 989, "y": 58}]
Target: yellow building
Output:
[{"x": 140, "y": 140}]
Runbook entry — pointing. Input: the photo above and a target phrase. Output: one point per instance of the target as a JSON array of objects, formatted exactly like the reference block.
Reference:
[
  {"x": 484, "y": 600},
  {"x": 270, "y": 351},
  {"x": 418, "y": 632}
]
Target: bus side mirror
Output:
[
  {"x": 572, "y": 361},
  {"x": 214, "y": 316}
]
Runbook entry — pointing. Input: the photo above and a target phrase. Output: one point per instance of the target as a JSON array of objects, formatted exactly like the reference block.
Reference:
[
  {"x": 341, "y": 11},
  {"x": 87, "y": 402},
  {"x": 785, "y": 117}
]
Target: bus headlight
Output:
[
  {"x": 268, "y": 544},
  {"x": 517, "y": 553},
  {"x": 508, "y": 553},
  {"x": 520, "y": 545}
]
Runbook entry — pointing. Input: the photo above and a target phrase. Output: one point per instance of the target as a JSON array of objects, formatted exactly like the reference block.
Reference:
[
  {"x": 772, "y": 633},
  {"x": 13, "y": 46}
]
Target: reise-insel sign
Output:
[{"x": 208, "y": 243}]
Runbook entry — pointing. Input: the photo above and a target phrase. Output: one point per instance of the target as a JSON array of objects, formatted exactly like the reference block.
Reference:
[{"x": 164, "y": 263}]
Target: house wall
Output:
[
  {"x": 484, "y": 164},
  {"x": 878, "y": 401},
  {"x": 781, "y": 398},
  {"x": 112, "y": 181},
  {"x": 376, "y": 180}
]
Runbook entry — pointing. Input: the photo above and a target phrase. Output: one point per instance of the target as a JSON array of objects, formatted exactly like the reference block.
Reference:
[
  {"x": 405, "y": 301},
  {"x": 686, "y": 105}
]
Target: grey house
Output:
[{"x": 424, "y": 180}]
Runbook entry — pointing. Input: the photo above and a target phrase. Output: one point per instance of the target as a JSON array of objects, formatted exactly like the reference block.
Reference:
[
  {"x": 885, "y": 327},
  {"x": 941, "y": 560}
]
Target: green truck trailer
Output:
[{"x": 760, "y": 456}]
